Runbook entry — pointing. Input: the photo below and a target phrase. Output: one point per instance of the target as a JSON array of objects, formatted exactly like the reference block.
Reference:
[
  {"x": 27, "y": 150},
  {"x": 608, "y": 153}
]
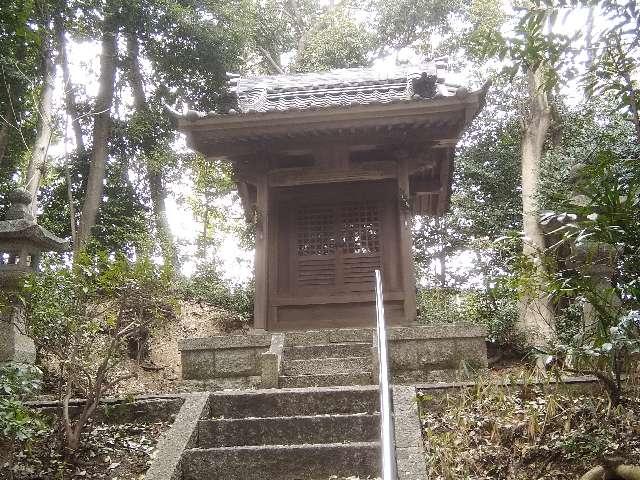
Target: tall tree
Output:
[
  {"x": 537, "y": 314},
  {"x": 102, "y": 125},
  {"x": 20, "y": 81},
  {"x": 157, "y": 190},
  {"x": 40, "y": 150},
  {"x": 71, "y": 104}
]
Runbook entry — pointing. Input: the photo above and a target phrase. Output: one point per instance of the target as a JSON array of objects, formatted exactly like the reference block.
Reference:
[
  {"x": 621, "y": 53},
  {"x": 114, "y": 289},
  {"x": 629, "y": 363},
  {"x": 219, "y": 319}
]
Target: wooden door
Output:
[{"x": 338, "y": 245}]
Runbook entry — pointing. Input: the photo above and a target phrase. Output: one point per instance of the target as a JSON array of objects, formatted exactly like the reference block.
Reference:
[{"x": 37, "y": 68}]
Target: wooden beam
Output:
[
  {"x": 446, "y": 175},
  {"x": 419, "y": 184},
  {"x": 335, "y": 299},
  {"x": 406, "y": 251},
  {"x": 211, "y": 144},
  {"x": 261, "y": 305},
  {"x": 286, "y": 177}
]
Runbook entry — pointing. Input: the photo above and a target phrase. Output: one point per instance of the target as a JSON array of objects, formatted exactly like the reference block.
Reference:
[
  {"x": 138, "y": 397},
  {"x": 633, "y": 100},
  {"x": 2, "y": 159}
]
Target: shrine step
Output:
[
  {"x": 325, "y": 380},
  {"x": 294, "y": 402},
  {"x": 326, "y": 366},
  {"x": 288, "y": 430},
  {"x": 282, "y": 462},
  {"x": 331, "y": 350},
  {"x": 329, "y": 336}
]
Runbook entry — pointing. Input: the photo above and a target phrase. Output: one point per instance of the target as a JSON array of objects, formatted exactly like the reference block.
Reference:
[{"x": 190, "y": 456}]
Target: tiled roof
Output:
[{"x": 353, "y": 86}]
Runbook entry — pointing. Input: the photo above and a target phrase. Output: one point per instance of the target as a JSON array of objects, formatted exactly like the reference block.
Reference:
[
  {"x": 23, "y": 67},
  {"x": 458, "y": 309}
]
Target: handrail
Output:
[{"x": 387, "y": 435}]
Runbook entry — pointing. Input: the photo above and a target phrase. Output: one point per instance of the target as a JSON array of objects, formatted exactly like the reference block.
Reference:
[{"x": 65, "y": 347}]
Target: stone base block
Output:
[{"x": 15, "y": 346}]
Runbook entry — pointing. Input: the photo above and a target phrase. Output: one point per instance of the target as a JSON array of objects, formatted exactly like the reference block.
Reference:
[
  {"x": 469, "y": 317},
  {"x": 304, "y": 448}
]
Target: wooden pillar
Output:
[
  {"x": 406, "y": 251},
  {"x": 261, "y": 305}
]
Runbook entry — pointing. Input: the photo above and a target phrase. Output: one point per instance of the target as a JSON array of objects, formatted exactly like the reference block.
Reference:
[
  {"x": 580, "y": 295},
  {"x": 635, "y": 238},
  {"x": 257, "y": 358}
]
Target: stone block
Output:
[
  {"x": 284, "y": 462},
  {"x": 227, "y": 341},
  {"x": 239, "y": 362},
  {"x": 403, "y": 355},
  {"x": 429, "y": 332},
  {"x": 15, "y": 346},
  {"x": 436, "y": 353},
  {"x": 183, "y": 434},
  {"x": 269, "y": 368},
  {"x": 410, "y": 464},
  {"x": 197, "y": 364},
  {"x": 409, "y": 447},
  {"x": 473, "y": 351},
  {"x": 310, "y": 337}
]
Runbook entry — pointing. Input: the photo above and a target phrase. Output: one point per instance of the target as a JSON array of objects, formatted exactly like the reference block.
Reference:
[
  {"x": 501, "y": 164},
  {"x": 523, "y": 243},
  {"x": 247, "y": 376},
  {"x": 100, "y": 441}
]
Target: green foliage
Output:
[
  {"x": 498, "y": 314},
  {"x": 605, "y": 210},
  {"x": 334, "y": 41},
  {"x": 83, "y": 316},
  {"x": 70, "y": 309},
  {"x": 19, "y": 86},
  {"x": 485, "y": 200},
  {"x": 207, "y": 286},
  {"x": 17, "y": 422},
  {"x": 413, "y": 23},
  {"x": 595, "y": 236}
]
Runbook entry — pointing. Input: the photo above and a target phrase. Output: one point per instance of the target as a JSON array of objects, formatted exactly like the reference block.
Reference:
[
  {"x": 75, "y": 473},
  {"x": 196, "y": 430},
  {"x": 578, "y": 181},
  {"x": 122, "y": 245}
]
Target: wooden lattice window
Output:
[
  {"x": 338, "y": 244},
  {"x": 315, "y": 231},
  {"x": 360, "y": 227}
]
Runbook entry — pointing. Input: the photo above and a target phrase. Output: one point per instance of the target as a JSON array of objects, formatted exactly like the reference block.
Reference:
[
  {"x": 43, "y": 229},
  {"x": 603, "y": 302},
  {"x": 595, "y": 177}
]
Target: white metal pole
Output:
[{"x": 387, "y": 435}]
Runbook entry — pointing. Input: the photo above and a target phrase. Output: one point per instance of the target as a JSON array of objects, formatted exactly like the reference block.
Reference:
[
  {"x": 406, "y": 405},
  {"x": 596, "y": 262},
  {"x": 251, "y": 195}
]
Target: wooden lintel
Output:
[
  {"x": 362, "y": 297},
  {"x": 213, "y": 145},
  {"x": 420, "y": 185},
  {"x": 286, "y": 177}
]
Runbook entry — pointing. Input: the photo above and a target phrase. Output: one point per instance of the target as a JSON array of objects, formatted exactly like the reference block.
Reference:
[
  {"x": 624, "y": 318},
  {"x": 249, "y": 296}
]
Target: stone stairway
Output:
[
  {"x": 291, "y": 434},
  {"x": 347, "y": 361}
]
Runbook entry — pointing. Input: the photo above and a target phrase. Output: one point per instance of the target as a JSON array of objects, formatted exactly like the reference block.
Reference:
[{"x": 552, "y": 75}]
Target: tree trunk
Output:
[
  {"x": 536, "y": 314},
  {"x": 157, "y": 190},
  {"x": 101, "y": 131},
  {"x": 158, "y": 194},
  {"x": 588, "y": 39},
  {"x": 38, "y": 158},
  {"x": 69, "y": 94},
  {"x": 5, "y": 134},
  {"x": 202, "y": 248}
]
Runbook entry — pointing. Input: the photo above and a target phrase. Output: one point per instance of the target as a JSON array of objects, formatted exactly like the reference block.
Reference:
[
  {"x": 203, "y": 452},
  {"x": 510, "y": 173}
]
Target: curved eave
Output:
[
  {"x": 211, "y": 135},
  {"x": 26, "y": 231}
]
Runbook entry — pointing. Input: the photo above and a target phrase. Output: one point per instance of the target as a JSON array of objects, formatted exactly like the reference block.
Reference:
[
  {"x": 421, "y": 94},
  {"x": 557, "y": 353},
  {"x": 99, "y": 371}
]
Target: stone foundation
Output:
[
  {"x": 229, "y": 357},
  {"x": 417, "y": 353}
]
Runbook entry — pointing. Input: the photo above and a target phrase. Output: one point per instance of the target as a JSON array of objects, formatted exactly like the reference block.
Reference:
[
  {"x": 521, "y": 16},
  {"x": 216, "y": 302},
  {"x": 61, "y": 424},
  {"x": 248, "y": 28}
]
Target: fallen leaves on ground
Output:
[
  {"x": 524, "y": 432},
  {"x": 113, "y": 452}
]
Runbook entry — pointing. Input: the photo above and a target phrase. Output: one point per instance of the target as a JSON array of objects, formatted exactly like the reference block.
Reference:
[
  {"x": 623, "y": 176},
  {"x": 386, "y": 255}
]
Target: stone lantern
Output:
[{"x": 22, "y": 241}]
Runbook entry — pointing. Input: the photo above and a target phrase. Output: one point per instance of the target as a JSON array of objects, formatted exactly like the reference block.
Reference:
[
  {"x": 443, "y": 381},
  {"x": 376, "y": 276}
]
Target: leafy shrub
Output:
[
  {"x": 206, "y": 286},
  {"x": 498, "y": 314},
  {"x": 593, "y": 262},
  {"x": 86, "y": 315},
  {"x": 18, "y": 424}
]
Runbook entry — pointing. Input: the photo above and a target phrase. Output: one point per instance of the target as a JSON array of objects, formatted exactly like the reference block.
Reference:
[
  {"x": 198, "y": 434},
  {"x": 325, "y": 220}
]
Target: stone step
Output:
[
  {"x": 327, "y": 366},
  {"x": 328, "y": 336},
  {"x": 282, "y": 462},
  {"x": 331, "y": 350},
  {"x": 325, "y": 380},
  {"x": 291, "y": 402},
  {"x": 288, "y": 430}
]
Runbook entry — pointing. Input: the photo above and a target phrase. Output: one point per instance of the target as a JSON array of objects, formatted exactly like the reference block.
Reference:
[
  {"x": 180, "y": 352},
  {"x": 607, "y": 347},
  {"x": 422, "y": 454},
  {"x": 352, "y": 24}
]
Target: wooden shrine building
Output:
[{"x": 330, "y": 167}]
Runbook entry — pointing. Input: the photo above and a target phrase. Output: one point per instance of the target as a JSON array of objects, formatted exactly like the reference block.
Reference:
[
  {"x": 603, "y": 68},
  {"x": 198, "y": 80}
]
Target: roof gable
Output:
[{"x": 344, "y": 87}]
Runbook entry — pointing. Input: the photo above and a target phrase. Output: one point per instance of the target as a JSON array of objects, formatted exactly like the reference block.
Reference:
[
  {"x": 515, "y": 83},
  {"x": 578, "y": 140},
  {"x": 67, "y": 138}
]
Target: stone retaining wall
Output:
[
  {"x": 433, "y": 353},
  {"x": 226, "y": 357},
  {"x": 142, "y": 409},
  {"x": 417, "y": 353}
]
